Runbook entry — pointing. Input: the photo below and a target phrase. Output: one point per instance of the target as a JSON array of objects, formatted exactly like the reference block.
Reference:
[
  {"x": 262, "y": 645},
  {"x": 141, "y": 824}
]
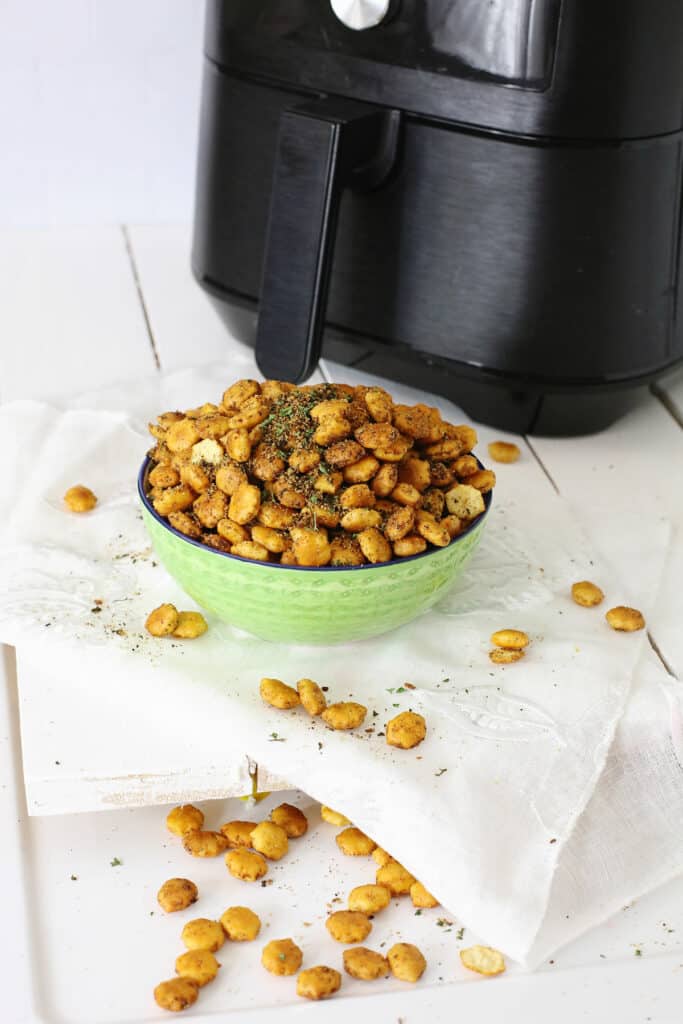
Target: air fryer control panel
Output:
[
  {"x": 553, "y": 68},
  {"x": 510, "y": 41}
]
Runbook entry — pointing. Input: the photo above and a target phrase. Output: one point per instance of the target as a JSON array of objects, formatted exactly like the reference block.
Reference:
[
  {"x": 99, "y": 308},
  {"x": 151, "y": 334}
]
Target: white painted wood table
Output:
[{"x": 84, "y": 308}]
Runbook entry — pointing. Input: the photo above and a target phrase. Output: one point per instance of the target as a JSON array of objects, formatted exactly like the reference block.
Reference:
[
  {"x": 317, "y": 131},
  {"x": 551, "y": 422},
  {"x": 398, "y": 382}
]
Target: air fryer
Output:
[{"x": 479, "y": 197}]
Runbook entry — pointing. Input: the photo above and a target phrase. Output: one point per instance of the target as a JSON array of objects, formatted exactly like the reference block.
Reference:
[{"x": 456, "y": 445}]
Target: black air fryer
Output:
[{"x": 480, "y": 197}]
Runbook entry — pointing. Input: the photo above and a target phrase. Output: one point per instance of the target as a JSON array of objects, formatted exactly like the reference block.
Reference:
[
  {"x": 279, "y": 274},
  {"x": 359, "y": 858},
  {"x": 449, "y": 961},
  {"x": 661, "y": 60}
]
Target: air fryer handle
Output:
[{"x": 323, "y": 147}]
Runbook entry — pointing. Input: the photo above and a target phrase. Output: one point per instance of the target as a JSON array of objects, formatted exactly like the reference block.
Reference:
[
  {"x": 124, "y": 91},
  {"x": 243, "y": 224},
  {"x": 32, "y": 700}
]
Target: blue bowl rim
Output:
[{"x": 142, "y": 475}]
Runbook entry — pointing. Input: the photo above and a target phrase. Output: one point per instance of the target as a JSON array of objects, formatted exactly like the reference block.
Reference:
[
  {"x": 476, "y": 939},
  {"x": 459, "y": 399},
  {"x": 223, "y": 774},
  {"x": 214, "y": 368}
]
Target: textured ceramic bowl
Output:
[{"x": 300, "y": 605}]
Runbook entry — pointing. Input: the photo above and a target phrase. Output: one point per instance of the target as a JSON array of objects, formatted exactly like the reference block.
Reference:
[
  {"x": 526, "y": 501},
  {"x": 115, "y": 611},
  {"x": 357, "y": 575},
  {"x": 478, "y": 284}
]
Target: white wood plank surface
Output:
[
  {"x": 186, "y": 329},
  {"x": 16, "y": 954},
  {"x": 623, "y": 483},
  {"x": 93, "y": 303},
  {"x": 79, "y": 307},
  {"x": 70, "y": 318},
  {"x": 670, "y": 391}
]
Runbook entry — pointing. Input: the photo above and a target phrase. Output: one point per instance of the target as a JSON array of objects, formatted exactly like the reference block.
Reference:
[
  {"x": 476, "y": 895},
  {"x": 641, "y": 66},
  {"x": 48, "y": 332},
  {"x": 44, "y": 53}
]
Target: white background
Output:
[{"x": 99, "y": 108}]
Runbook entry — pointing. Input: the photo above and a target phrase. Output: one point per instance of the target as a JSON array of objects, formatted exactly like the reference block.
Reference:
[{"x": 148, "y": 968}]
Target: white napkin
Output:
[
  {"x": 480, "y": 812},
  {"x": 628, "y": 839}
]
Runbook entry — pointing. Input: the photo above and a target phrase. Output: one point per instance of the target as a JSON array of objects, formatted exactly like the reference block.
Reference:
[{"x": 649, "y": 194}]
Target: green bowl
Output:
[{"x": 300, "y": 605}]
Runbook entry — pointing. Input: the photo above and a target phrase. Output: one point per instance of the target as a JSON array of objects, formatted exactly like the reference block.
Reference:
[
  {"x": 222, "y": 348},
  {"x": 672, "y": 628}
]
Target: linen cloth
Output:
[{"x": 497, "y": 812}]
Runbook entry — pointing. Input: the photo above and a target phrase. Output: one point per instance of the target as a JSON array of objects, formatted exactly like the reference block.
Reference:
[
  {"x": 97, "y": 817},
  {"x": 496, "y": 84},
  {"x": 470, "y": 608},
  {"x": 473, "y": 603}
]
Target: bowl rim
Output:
[{"x": 142, "y": 475}]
